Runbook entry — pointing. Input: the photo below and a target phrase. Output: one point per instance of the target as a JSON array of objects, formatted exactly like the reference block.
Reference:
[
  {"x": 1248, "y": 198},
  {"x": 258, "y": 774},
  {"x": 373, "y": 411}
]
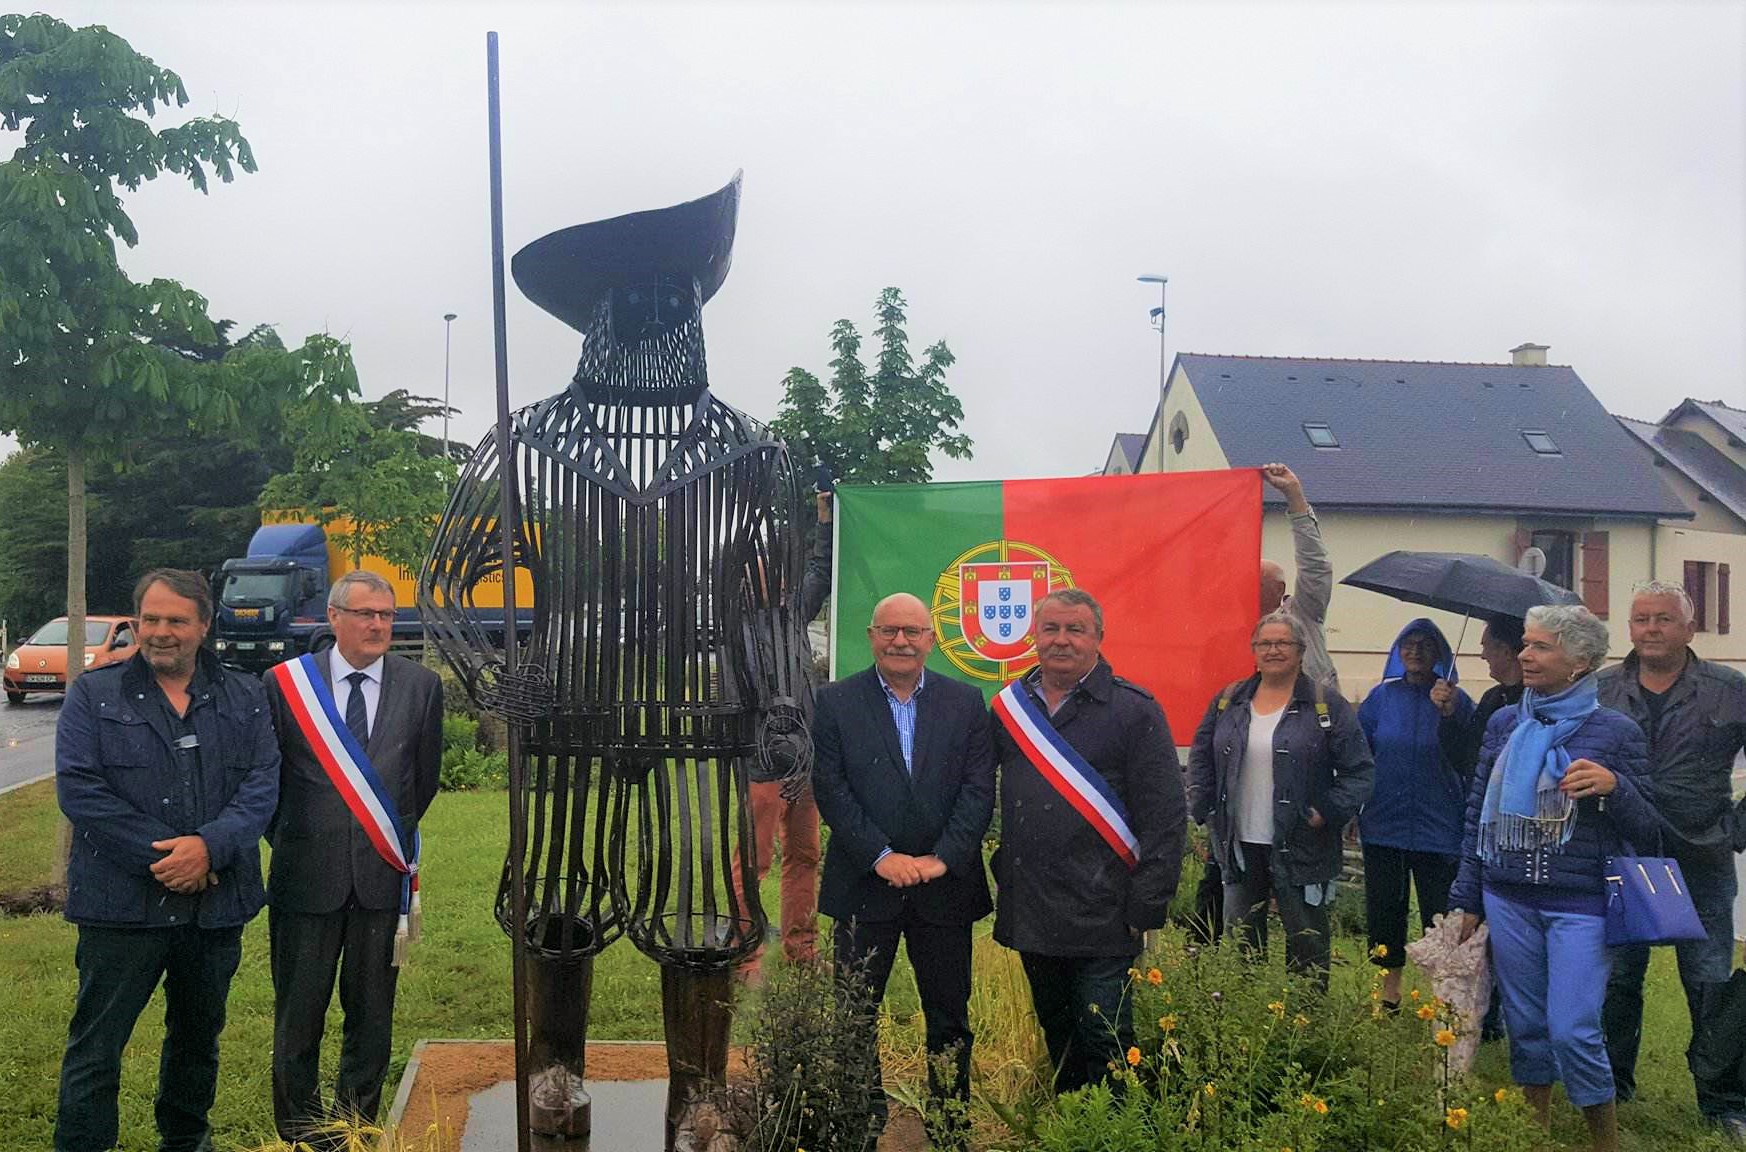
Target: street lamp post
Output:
[
  {"x": 448, "y": 323},
  {"x": 1163, "y": 283}
]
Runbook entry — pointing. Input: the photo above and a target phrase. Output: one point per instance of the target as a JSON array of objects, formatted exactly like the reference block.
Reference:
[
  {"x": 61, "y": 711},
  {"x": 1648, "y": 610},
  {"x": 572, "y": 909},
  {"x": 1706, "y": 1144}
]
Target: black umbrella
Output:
[{"x": 1458, "y": 582}]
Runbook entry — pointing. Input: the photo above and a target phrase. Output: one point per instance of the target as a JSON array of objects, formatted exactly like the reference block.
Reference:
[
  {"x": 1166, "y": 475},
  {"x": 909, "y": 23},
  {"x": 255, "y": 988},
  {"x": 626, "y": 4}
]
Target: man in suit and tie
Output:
[
  {"x": 904, "y": 775},
  {"x": 332, "y": 891}
]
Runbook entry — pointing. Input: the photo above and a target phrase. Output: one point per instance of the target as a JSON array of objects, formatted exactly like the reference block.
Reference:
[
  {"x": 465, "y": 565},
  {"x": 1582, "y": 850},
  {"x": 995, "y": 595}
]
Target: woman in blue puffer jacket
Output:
[
  {"x": 1559, "y": 788},
  {"x": 1412, "y": 826}
]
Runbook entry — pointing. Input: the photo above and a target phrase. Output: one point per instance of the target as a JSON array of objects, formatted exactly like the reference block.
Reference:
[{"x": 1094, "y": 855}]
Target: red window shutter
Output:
[
  {"x": 1594, "y": 573},
  {"x": 1722, "y": 599},
  {"x": 1694, "y": 588}
]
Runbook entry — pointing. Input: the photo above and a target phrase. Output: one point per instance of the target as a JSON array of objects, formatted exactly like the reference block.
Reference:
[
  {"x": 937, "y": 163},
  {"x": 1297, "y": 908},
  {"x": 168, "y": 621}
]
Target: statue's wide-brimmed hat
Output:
[{"x": 568, "y": 271}]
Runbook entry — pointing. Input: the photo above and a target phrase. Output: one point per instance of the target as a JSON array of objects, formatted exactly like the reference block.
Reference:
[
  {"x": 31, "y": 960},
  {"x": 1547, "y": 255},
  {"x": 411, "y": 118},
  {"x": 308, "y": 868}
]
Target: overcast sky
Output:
[{"x": 1414, "y": 181}]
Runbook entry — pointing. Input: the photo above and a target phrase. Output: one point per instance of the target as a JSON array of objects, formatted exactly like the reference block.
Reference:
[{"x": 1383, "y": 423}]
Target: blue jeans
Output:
[
  {"x": 1551, "y": 972},
  {"x": 1704, "y": 965},
  {"x": 1082, "y": 1043},
  {"x": 119, "y": 969}
]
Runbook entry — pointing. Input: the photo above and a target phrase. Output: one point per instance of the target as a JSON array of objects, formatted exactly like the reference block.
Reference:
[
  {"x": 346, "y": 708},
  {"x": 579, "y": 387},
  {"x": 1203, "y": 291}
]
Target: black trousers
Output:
[
  {"x": 1387, "y": 872},
  {"x": 940, "y": 956},
  {"x": 119, "y": 969},
  {"x": 1247, "y": 895},
  {"x": 308, "y": 951},
  {"x": 1082, "y": 1043},
  {"x": 1208, "y": 921}
]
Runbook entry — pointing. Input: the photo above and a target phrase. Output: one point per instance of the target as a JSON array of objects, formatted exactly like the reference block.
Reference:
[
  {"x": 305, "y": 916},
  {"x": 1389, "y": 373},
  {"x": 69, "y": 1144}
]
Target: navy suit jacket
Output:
[{"x": 870, "y": 802}]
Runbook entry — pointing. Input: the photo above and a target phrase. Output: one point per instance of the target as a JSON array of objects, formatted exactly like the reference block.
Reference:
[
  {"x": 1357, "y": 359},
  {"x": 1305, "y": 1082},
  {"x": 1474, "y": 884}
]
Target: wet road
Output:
[{"x": 27, "y": 739}]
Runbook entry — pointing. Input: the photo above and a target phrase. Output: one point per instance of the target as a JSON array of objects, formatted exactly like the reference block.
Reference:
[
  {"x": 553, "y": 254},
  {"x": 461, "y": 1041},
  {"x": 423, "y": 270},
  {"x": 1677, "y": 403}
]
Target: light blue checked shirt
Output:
[{"x": 903, "y": 715}]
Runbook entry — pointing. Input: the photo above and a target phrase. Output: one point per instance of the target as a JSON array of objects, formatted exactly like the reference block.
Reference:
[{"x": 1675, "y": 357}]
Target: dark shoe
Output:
[{"x": 1392, "y": 1007}]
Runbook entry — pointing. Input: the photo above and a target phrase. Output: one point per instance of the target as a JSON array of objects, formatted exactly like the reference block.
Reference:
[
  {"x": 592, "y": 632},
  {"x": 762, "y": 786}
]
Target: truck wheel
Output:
[{"x": 14, "y": 697}]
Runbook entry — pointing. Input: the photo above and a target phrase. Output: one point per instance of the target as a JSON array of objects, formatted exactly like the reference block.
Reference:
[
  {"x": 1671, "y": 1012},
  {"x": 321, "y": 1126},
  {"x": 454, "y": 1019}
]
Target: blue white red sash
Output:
[
  {"x": 348, "y": 768},
  {"x": 1066, "y": 770}
]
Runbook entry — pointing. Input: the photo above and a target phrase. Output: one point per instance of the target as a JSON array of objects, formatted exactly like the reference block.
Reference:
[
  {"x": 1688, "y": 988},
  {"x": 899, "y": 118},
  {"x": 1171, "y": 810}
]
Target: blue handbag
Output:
[{"x": 1647, "y": 901}]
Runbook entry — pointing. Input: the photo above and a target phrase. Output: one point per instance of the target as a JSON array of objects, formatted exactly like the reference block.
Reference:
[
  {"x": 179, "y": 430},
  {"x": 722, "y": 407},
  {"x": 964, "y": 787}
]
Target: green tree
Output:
[
  {"x": 878, "y": 430},
  {"x": 94, "y": 362},
  {"x": 375, "y": 488}
]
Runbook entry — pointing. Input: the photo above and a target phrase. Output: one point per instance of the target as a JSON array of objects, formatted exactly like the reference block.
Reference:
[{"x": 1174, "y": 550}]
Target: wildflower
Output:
[
  {"x": 1380, "y": 952},
  {"x": 1414, "y": 994},
  {"x": 1167, "y": 1023},
  {"x": 1095, "y": 1010},
  {"x": 1501, "y": 1095},
  {"x": 1169, "y": 999},
  {"x": 1376, "y": 993},
  {"x": 1455, "y": 1117},
  {"x": 1133, "y": 1057},
  {"x": 1300, "y": 1021},
  {"x": 1307, "y": 1101},
  {"x": 1277, "y": 1008},
  {"x": 1133, "y": 973},
  {"x": 1154, "y": 977},
  {"x": 1321, "y": 1106},
  {"x": 1426, "y": 1012},
  {"x": 1445, "y": 1038},
  {"x": 1211, "y": 1090}
]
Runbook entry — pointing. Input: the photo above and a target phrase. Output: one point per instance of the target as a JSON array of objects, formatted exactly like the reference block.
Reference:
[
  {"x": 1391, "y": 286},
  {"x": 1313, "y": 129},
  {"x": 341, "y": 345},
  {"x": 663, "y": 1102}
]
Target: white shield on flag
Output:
[{"x": 996, "y": 608}]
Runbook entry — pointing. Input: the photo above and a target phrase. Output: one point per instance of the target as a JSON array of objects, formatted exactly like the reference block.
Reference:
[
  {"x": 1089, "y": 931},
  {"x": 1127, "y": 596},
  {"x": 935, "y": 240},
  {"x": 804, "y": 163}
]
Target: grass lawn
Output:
[{"x": 458, "y": 986}]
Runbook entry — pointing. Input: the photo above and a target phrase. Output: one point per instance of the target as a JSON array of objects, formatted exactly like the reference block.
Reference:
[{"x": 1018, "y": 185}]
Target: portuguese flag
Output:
[{"x": 1173, "y": 558}]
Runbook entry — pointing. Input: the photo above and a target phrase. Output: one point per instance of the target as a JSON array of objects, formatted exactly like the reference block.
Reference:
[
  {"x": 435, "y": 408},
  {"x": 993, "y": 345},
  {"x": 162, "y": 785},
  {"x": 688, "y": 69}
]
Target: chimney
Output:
[{"x": 1529, "y": 355}]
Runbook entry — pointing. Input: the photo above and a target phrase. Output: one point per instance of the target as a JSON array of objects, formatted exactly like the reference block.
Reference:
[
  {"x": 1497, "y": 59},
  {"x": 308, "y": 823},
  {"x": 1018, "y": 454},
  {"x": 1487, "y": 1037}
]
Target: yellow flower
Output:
[
  {"x": 1300, "y": 1021},
  {"x": 1095, "y": 1010},
  {"x": 1445, "y": 1038},
  {"x": 1133, "y": 973},
  {"x": 1426, "y": 1012},
  {"x": 1455, "y": 1117},
  {"x": 1376, "y": 993},
  {"x": 1414, "y": 994},
  {"x": 1211, "y": 1090},
  {"x": 1307, "y": 1101},
  {"x": 1277, "y": 1008},
  {"x": 1380, "y": 951},
  {"x": 1154, "y": 977},
  {"x": 1321, "y": 1106},
  {"x": 1133, "y": 1057},
  {"x": 1167, "y": 1023},
  {"x": 1501, "y": 1095}
]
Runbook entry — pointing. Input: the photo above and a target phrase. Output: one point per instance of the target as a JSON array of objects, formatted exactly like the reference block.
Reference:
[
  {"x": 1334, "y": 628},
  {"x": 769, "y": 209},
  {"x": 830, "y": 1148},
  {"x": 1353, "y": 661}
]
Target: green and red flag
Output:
[{"x": 1173, "y": 558}]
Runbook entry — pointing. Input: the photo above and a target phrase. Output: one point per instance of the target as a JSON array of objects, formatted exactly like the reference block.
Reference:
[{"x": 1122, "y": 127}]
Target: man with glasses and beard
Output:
[
  {"x": 361, "y": 732},
  {"x": 167, "y": 769}
]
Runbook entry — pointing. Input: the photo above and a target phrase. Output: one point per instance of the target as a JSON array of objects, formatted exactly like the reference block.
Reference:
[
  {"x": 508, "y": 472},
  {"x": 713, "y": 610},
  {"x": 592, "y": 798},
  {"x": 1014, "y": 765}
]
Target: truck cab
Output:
[{"x": 271, "y": 605}]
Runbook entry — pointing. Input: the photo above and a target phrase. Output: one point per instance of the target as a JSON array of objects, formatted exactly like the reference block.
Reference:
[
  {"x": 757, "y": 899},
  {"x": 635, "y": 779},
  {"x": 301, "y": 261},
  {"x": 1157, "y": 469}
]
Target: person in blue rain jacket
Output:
[{"x": 1411, "y": 828}]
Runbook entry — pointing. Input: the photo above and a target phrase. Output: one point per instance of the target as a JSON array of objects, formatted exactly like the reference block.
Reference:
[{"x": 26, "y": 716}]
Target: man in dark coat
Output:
[
  {"x": 333, "y": 895},
  {"x": 1070, "y": 905},
  {"x": 167, "y": 769},
  {"x": 904, "y": 775},
  {"x": 1694, "y": 714}
]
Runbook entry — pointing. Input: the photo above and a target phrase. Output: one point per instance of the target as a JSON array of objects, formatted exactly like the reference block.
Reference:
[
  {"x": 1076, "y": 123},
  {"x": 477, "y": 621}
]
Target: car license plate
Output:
[
  {"x": 246, "y": 646},
  {"x": 42, "y": 679},
  {"x": 246, "y": 613}
]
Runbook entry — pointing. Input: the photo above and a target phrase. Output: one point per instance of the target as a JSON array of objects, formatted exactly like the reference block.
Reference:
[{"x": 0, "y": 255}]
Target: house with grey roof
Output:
[
  {"x": 1455, "y": 457},
  {"x": 1700, "y": 450},
  {"x": 1124, "y": 454}
]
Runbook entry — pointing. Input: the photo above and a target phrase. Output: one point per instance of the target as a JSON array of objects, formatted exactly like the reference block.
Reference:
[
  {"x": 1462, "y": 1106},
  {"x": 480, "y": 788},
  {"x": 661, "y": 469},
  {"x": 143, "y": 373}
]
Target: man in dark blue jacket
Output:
[
  {"x": 167, "y": 768},
  {"x": 905, "y": 781}
]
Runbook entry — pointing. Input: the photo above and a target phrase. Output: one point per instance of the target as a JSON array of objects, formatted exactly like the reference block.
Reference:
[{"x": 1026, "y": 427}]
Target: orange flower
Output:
[
  {"x": 1414, "y": 994},
  {"x": 1455, "y": 1117},
  {"x": 1300, "y": 1021},
  {"x": 1133, "y": 1057},
  {"x": 1321, "y": 1106},
  {"x": 1167, "y": 1023},
  {"x": 1154, "y": 977},
  {"x": 1211, "y": 1089},
  {"x": 1501, "y": 1095},
  {"x": 1445, "y": 1038},
  {"x": 1426, "y": 1012},
  {"x": 1277, "y": 1007}
]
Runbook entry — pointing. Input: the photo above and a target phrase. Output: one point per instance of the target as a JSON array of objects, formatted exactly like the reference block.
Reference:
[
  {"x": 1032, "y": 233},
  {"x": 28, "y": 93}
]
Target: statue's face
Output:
[{"x": 644, "y": 347}]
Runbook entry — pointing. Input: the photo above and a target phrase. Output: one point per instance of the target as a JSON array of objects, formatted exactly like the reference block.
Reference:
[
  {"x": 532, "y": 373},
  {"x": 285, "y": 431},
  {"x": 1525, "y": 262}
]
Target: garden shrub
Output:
[{"x": 813, "y": 1069}]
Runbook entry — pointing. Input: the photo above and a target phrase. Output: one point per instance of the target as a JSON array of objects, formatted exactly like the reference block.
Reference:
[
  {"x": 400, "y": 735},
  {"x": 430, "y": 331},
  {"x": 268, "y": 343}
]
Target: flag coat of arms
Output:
[{"x": 1172, "y": 558}]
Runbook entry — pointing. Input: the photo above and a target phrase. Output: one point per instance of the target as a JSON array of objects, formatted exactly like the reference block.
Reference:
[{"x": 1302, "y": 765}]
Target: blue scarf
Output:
[{"x": 1524, "y": 811}]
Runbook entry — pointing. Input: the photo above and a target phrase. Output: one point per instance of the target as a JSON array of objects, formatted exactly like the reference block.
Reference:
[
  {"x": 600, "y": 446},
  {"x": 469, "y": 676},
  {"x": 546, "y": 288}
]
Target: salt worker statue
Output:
[{"x": 658, "y": 529}]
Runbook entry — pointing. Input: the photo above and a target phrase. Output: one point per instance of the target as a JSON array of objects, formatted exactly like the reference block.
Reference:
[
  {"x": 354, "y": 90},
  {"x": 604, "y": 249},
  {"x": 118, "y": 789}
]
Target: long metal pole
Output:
[
  {"x": 1163, "y": 368},
  {"x": 448, "y": 325},
  {"x": 506, "y": 521}
]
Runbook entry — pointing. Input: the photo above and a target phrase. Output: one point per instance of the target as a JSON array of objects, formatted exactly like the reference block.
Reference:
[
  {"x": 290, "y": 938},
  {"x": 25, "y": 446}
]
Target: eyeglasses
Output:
[
  {"x": 379, "y": 615},
  {"x": 893, "y": 631},
  {"x": 1660, "y": 620},
  {"x": 1274, "y": 645}
]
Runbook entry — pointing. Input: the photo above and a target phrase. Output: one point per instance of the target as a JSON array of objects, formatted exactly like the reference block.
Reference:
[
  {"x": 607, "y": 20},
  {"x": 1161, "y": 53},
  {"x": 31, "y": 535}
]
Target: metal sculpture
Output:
[{"x": 659, "y": 531}]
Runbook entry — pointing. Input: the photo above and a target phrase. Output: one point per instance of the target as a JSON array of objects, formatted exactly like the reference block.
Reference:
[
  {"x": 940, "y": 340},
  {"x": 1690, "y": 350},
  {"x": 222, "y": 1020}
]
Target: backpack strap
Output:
[{"x": 1229, "y": 692}]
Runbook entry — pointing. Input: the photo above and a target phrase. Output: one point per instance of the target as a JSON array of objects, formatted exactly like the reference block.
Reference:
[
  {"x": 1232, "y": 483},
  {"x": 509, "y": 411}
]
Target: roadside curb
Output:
[{"x": 27, "y": 783}]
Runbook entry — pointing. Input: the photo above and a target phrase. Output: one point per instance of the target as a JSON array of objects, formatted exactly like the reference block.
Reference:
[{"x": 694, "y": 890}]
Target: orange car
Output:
[{"x": 40, "y": 663}]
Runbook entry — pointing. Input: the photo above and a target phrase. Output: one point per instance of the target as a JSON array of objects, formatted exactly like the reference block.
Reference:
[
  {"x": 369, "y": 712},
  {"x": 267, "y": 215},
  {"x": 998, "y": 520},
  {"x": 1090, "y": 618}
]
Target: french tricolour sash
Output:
[
  {"x": 1066, "y": 770},
  {"x": 348, "y": 768}
]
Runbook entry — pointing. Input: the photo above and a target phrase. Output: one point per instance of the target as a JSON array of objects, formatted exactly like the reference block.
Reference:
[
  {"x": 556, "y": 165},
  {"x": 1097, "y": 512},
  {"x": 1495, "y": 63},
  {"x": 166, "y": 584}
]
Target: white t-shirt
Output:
[{"x": 1255, "y": 780}]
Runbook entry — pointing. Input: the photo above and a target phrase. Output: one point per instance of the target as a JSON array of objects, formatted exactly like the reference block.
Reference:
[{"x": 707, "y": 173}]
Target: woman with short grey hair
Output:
[{"x": 1555, "y": 794}]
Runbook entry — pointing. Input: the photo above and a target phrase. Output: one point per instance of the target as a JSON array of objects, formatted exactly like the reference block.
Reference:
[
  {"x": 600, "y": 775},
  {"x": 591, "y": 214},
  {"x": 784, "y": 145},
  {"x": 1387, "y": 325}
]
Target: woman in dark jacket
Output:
[
  {"x": 1556, "y": 792},
  {"x": 1278, "y": 767},
  {"x": 1412, "y": 826}
]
